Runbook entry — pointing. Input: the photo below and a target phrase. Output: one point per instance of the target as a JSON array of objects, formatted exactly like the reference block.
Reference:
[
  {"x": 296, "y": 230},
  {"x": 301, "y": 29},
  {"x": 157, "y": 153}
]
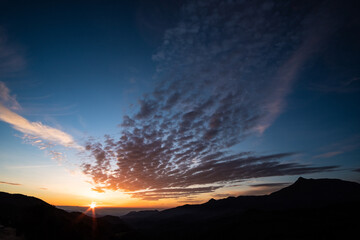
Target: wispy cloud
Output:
[
  {"x": 224, "y": 73},
  {"x": 8, "y": 99},
  {"x": 255, "y": 189},
  {"x": 171, "y": 192},
  {"x": 351, "y": 85},
  {"x": 35, "y": 133},
  {"x": 341, "y": 147},
  {"x": 321, "y": 28},
  {"x": 269, "y": 185},
  {"x": 10, "y": 183},
  {"x": 36, "y": 129},
  {"x": 328, "y": 154}
]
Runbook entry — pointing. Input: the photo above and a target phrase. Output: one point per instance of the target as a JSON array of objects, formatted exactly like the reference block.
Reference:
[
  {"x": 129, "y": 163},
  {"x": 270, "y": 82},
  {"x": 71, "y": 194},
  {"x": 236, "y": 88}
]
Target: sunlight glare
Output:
[{"x": 93, "y": 205}]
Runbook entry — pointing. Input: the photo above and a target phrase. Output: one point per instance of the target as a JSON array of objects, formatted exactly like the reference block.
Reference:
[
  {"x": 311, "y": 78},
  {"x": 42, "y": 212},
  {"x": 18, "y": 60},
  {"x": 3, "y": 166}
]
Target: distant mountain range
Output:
[{"x": 307, "y": 209}]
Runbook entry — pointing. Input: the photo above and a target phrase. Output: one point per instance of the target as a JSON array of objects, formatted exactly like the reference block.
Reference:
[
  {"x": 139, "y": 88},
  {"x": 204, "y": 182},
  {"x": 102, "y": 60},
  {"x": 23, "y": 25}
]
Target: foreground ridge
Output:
[{"x": 306, "y": 209}]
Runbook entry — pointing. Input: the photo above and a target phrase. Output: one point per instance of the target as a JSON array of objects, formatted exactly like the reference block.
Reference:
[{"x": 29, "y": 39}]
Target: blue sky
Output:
[{"x": 176, "y": 102}]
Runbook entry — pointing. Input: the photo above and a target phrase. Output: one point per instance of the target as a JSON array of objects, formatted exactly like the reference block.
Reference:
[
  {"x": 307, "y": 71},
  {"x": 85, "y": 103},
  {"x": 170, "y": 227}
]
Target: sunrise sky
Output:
[{"x": 162, "y": 103}]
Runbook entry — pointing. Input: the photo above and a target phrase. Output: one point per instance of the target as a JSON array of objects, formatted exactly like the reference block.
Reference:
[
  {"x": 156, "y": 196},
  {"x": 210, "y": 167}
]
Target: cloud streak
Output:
[
  {"x": 346, "y": 86},
  {"x": 35, "y": 133},
  {"x": 36, "y": 128},
  {"x": 269, "y": 185},
  {"x": 5, "y": 97},
  {"x": 224, "y": 72},
  {"x": 328, "y": 154},
  {"x": 10, "y": 183}
]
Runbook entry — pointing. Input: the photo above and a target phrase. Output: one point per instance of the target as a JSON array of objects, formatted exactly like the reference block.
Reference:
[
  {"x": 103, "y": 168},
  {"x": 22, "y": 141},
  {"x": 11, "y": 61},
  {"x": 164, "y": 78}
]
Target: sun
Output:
[{"x": 93, "y": 205}]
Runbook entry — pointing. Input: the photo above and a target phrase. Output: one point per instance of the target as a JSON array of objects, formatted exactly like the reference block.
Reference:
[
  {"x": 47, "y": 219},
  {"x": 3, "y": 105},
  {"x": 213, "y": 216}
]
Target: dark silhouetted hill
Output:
[
  {"x": 140, "y": 214},
  {"x": 33, "y": 218},
  {"x": 307, "y": 209},
  {"x": 318, "y": 191}
]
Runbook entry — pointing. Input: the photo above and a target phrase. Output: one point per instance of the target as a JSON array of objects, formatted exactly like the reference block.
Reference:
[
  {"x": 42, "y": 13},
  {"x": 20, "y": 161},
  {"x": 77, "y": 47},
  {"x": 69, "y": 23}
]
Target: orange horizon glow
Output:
[
  {"x": 79, "y": 194},
  {"x": 85, "y": 198}
]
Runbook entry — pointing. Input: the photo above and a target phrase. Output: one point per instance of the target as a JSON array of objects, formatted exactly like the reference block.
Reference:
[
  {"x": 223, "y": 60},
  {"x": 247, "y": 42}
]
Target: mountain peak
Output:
[
  {"x": 320, "y": 189},
  {"x": 302, "y": 180}
]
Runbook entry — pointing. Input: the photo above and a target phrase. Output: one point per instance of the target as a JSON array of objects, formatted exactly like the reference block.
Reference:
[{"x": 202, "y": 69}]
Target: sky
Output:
[{"x": 163, "y": 103}]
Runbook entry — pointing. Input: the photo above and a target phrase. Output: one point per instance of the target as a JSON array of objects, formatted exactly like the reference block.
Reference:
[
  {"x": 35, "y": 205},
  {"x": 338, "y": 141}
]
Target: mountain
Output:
[
  {"x": 318, "y": 191},
  {"x": 303, "y": 193},
  {"x": 307, "y": 209},
  {"x": 23, "y": 217},
  {"x": 140, "y": 214}
]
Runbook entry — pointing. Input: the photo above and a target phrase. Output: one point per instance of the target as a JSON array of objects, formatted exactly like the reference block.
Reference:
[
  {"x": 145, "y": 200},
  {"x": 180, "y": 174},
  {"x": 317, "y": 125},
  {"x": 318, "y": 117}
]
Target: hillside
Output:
[
  {"x": 32, "y": 218},
  {"x": 307, "y": 209}
]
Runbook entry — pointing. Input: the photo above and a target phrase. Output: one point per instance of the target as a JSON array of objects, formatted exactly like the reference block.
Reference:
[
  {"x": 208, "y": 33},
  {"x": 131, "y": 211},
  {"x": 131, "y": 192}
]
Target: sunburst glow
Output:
[{"x": 93, "y": 205}]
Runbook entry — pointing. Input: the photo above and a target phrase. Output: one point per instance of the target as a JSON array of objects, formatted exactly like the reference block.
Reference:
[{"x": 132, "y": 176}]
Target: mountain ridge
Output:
[
  {"x": 294, "y": 192},
  {"x": 290, "y": 199},
  {"x": 323, "y": 207}
]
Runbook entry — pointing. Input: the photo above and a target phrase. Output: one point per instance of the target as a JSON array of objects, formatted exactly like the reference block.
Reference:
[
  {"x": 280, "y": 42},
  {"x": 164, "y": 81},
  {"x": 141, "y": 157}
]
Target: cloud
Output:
[
  {"x": 58, "y": 156},
  {"x": 156, "y": 169},
  {"x": 98, "y": 189},
  {"x": 255, "y": 189},
  {"x": 10, "y": 183},
  {"x": 328, "y": 154},
  {"x": 36, "y": 129},
  {"x": 8, "y": 99},
  {"x": 171, "y": 193},
  {"x": 345, "y": 86},
  {"x": 269, "y": 185},
  {"x": 341, "y": 147},
  {"x": 224, "y": 72},
  {"x": 35, "y": 133}
]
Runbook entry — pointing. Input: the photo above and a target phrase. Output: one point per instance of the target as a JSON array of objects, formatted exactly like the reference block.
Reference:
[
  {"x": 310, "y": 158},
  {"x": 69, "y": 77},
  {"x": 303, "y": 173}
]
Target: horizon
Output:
[
  {"x": 64, "y": 207},
  {"x": 114, "y": 210},
  {"x": 135, "y": 104}
]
